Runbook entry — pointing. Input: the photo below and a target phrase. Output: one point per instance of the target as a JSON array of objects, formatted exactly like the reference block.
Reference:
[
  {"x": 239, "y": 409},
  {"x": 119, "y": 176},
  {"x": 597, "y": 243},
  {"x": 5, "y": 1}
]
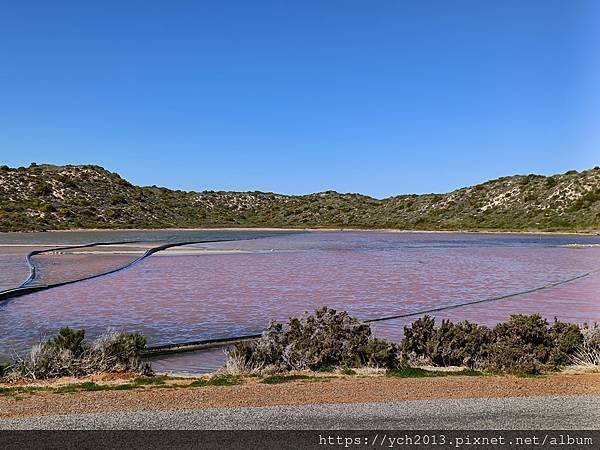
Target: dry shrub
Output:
[
  {"x": 325, "y": 339},
  {"x": 591, "y": 336},
  {"x": 68, "y": 355},
  {"x": 587, "y": 355}
]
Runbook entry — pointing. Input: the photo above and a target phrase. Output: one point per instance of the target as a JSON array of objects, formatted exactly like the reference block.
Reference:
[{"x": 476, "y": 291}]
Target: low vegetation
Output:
[
  {"x": 278, "y": 379},
  {"x": 67, "y": 354},
  {"x": 587, "y": 355},
  {"x": 416, "y": 372},
  {"x": 326, "y": 341},
  {"x": 328, "y": 338},
  {"x": 41, "y": 197},
  {"x": 86, "y": 386},
  {"x": 526, "y": 344},
  {"x": 217, "y": 380}
]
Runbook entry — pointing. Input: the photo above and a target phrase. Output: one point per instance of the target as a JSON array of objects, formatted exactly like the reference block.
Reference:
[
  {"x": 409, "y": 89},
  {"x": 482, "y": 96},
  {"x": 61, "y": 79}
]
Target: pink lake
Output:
[{"x": 235, "y": 288}]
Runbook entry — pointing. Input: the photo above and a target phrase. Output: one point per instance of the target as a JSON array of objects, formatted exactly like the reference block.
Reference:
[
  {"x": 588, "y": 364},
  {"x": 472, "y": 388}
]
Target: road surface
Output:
[{"x": 553, "y": 412}]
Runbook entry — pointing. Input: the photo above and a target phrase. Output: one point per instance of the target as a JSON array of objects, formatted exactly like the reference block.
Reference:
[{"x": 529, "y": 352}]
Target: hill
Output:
[{"x": 41, "y": 197}]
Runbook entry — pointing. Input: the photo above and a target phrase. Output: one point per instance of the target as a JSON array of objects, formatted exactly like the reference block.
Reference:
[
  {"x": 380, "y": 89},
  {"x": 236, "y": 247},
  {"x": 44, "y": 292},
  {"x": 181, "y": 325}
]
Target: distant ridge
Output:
[{"x": 44, "y": 197}]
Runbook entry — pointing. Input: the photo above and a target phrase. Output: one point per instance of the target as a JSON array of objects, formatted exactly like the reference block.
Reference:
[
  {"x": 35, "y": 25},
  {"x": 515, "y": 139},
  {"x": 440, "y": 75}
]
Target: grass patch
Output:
[
  {"x": 414, "y": 372},
  {"x": 528, "y": 375},
  {"x": 221, "y": 380},
  {"x": 79, "y": 387},
  {"x": 120, "y": 387},
  {"x": 321, "y": 379},
  {"x": 278, "y": 379},
  {"x": 22, "y": 390},
  {"x": 148, "y": 381},
  {"x": 466, "y": 373},
  {"x": 348, "y": 371},
  {"x": 137, "y": 383},
  {"x": 69, "y": 388}
]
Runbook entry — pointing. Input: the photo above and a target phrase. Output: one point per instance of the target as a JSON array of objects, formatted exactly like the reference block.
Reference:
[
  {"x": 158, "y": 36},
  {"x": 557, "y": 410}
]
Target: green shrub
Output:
[
  {"x": 522, "y": 344},
  {"x": 416, "y": 338},
  {"x": 4, "y": 367},
  {"x": 278, "y": 379},
  {"x": 459, "y": 344},
  {"x": 69, "y": 340},
  {"x": 42, "y": 190},
  {"x": 118, "y": 352},
  {"x": 378, "y": 353},
  {"x": 567, "y": 338}
]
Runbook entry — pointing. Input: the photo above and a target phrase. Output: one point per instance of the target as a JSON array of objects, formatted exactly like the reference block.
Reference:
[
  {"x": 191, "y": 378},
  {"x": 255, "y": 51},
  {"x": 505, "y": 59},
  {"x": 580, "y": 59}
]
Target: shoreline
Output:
[{"x": 323, "y": 229}]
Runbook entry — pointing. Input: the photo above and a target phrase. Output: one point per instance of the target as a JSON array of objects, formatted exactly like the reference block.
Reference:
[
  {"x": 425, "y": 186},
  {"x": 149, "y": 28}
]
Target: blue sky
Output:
[{"x": 377, "y": 97}]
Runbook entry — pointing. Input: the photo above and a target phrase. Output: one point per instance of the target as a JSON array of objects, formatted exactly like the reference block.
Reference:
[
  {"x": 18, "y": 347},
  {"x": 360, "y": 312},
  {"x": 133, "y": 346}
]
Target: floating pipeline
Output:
[
  {"x": 485, "y": 300},
  {"x": 223, "y": 342},
  {"x": 33, "y": 270},
  {"x": 197, "y": 345},
  {"x": 26, "y": 288}
]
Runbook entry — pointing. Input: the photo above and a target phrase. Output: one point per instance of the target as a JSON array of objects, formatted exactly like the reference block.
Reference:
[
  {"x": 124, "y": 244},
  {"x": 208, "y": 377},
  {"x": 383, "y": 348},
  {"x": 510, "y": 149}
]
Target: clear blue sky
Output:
[{"x": 378, "y": 97}]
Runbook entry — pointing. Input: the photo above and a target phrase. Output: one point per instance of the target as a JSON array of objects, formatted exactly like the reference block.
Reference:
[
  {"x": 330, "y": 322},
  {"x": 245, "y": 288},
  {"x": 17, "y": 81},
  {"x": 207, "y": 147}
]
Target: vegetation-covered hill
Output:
[{"x": 42, "y": 197}]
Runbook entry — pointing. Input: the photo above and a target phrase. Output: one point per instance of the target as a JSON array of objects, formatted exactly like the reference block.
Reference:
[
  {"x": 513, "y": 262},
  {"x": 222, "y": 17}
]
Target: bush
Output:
[
  {"x": 326, "y": 339},
  {"x": 588, "y": 353},
  {"x": 118, "y": 352},
  {"x": 567, "y": 338},
  {"x": 522, "y": 344},
  {"x": 379, "y": 353},
  {"x": 591, "y": 336},
  {"x": 459, "y": 344},
  {"x": 414, "y": 346},
  {"x": 68, "y": 355},
  {"x": 3, "y": 369},
  {"x": 67, "y": 339}
]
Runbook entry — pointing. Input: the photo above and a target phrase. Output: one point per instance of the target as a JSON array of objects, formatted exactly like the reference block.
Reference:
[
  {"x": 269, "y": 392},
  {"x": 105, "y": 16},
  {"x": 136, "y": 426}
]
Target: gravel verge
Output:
[{"x": 321, "y": 390}]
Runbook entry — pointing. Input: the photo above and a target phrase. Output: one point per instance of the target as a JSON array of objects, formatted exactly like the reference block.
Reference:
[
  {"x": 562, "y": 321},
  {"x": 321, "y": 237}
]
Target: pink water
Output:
[
  {"x": 55, "y": 268},
  {"x": 369, "y": 274},
  {"x": 13, "y": 266}
]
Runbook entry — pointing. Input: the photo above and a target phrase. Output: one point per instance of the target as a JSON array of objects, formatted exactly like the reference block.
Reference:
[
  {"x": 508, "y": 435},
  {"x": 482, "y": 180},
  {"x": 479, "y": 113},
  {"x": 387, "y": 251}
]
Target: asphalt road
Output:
[{"x": 564, "y": 412}]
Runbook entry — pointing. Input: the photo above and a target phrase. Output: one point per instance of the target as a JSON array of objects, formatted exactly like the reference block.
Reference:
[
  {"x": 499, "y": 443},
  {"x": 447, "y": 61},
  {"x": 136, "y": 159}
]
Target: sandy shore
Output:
[{"x": 322, "y": 389}]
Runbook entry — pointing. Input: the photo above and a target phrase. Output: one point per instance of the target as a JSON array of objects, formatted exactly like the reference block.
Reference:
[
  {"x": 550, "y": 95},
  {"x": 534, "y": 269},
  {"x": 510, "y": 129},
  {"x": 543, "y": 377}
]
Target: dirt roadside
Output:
[{"x": 315, "y": 390}]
